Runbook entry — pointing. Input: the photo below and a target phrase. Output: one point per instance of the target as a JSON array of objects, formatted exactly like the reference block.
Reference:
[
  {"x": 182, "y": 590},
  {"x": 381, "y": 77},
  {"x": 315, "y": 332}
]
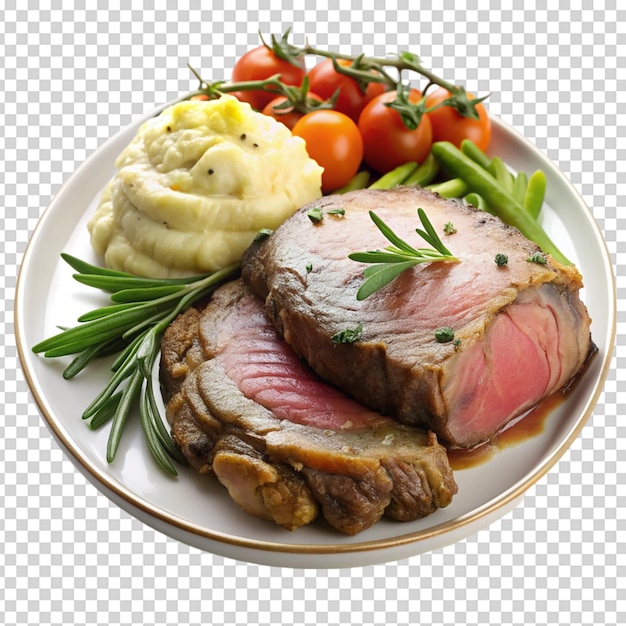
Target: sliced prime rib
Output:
[
  {"x": 521, "y": 331},
  {"x": 287, "y": 446}
]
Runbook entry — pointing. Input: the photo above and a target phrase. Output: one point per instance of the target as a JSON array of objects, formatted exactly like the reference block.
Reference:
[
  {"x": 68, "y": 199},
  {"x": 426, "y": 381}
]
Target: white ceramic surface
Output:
[{"x": 195, "y": 509}]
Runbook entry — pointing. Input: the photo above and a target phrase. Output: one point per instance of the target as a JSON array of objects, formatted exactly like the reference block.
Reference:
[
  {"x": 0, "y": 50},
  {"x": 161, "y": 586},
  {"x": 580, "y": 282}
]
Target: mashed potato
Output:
[{"x": 196, "y": 185}]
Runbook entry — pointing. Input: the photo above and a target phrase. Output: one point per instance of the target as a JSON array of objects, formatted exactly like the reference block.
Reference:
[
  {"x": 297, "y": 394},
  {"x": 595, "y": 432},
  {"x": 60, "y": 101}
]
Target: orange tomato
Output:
[{"x": 334, "y": 141}]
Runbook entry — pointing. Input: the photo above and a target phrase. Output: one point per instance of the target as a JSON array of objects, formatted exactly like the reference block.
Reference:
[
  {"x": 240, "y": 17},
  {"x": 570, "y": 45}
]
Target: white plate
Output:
[{"x": 196, "y": 510}]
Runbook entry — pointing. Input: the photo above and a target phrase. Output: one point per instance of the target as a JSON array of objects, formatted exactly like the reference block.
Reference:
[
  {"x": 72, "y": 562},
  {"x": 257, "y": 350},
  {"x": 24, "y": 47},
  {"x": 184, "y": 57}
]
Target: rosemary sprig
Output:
[
  {"x": 132, "y": 326},
  {"x": 399, "y": 256}
]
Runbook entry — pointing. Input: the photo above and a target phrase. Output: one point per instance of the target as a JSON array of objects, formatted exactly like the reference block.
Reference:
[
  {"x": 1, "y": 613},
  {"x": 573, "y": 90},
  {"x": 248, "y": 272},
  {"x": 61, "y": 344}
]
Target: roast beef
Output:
[
  {"x": 286, "y": 445},
  {"x": 520, "y": 329}
]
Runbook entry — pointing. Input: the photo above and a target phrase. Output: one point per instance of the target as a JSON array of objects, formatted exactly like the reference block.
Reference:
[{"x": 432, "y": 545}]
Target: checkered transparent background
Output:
[{"x": 72, "y": 77}]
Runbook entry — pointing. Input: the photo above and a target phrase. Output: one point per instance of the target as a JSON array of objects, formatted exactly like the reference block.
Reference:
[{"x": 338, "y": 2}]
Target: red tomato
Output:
[
  {"x": 288, "y": 117},
  {"x": 261, "y": 63},
  {"x": 325, "y": 80},
  {"x": 387, "y": 142},
  {"x": 333, "y": 140},
  {"x": 449, "y": 125}
]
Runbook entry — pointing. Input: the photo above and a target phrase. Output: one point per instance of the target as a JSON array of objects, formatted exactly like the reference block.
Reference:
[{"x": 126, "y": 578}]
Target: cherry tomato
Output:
[
  {"x": 387, "y": 142},
  {"x": 288, "y": 117},
  {"x": 449, "y": 125},
  {"x": 261, "y": 63},
  {"x": 333, "y": 140},
  {"x": 325, "y": 80}
]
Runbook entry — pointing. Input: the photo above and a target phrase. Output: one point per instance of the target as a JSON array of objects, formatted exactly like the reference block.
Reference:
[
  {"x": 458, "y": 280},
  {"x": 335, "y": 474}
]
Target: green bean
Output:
[
  {"x": 535, "y": 193},
  {"x": 424, "y": 174},
  {"x": 501, "y": 173},
  {"x": 359, "y": 181},
  {"x": 470, "y": 149},
  {"x": 477, "y": 201},
  {"x": 452, "y": 188},
  {"x": 501, "y": 202},
  {"x": 519, "y": 186},
  {"x": 395, "y": 177}
]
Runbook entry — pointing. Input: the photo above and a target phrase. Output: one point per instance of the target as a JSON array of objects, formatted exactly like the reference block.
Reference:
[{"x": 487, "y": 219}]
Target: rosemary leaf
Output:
[
  {"x": 87, "y": 268},
  {"x": 145, "y": 293},
  {"x": 80, "y": 362},
  {"x": 391, "y": 236},
  {"x": 387, "y": 264},
  {"x": 115, "y": 283},
  {"x": 108, "y": 310},
  {"x": 154, "y": 443},
  {"x": 159, "y": 428},
  {"x": 378, "y": 277},
  {"x": 433, "y": 238},
  {"x": 95, "y": 331},
  {"x": 129, "y": 395},
  {"x": 106, "y": 411},
  {"x": 131, "y": 327}
]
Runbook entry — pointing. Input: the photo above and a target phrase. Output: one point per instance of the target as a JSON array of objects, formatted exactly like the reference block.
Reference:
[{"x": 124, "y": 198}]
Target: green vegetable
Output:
[
  {"x": 452, "y": 188},
  {"x": 340, "y": 211},
  {"x": 519, "y": 186},
  {"x": 477, "y": 201},
  {"x": 315, "y": 214},
  {"x": 500, "y": 201},
  {"x": 424, "y": 174},
  {"x": 445, "y": 334},
  {"x": 395, "y": 177},
  {"x": 398, "y": 257},
  {"x": 471, "y": 150},
  {"x": 359, "y": 181},
  {"x": 348, "y": 335},
  {"x": 535, "y": 193},
  {"x": 501, "y": 173},
  {"x": 141, "y": 311},
  {"x": 537, "y": 257}
]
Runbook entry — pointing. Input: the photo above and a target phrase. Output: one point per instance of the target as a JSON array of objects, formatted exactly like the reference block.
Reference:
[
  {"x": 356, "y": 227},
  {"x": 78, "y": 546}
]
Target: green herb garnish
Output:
[
  {"x": 398, "y": 257},
  {"x": 449, "y": 229},
  {"x": 501, "y": 259},
  {"x": 537, "y": 257},
  {"x": 340, "y": 211},
  {"x": 140, "y": 311},
  {"x": 348, "y": 335},
  {"x": 445, "y": 334},
  {"x": 315, "y": 214}
]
